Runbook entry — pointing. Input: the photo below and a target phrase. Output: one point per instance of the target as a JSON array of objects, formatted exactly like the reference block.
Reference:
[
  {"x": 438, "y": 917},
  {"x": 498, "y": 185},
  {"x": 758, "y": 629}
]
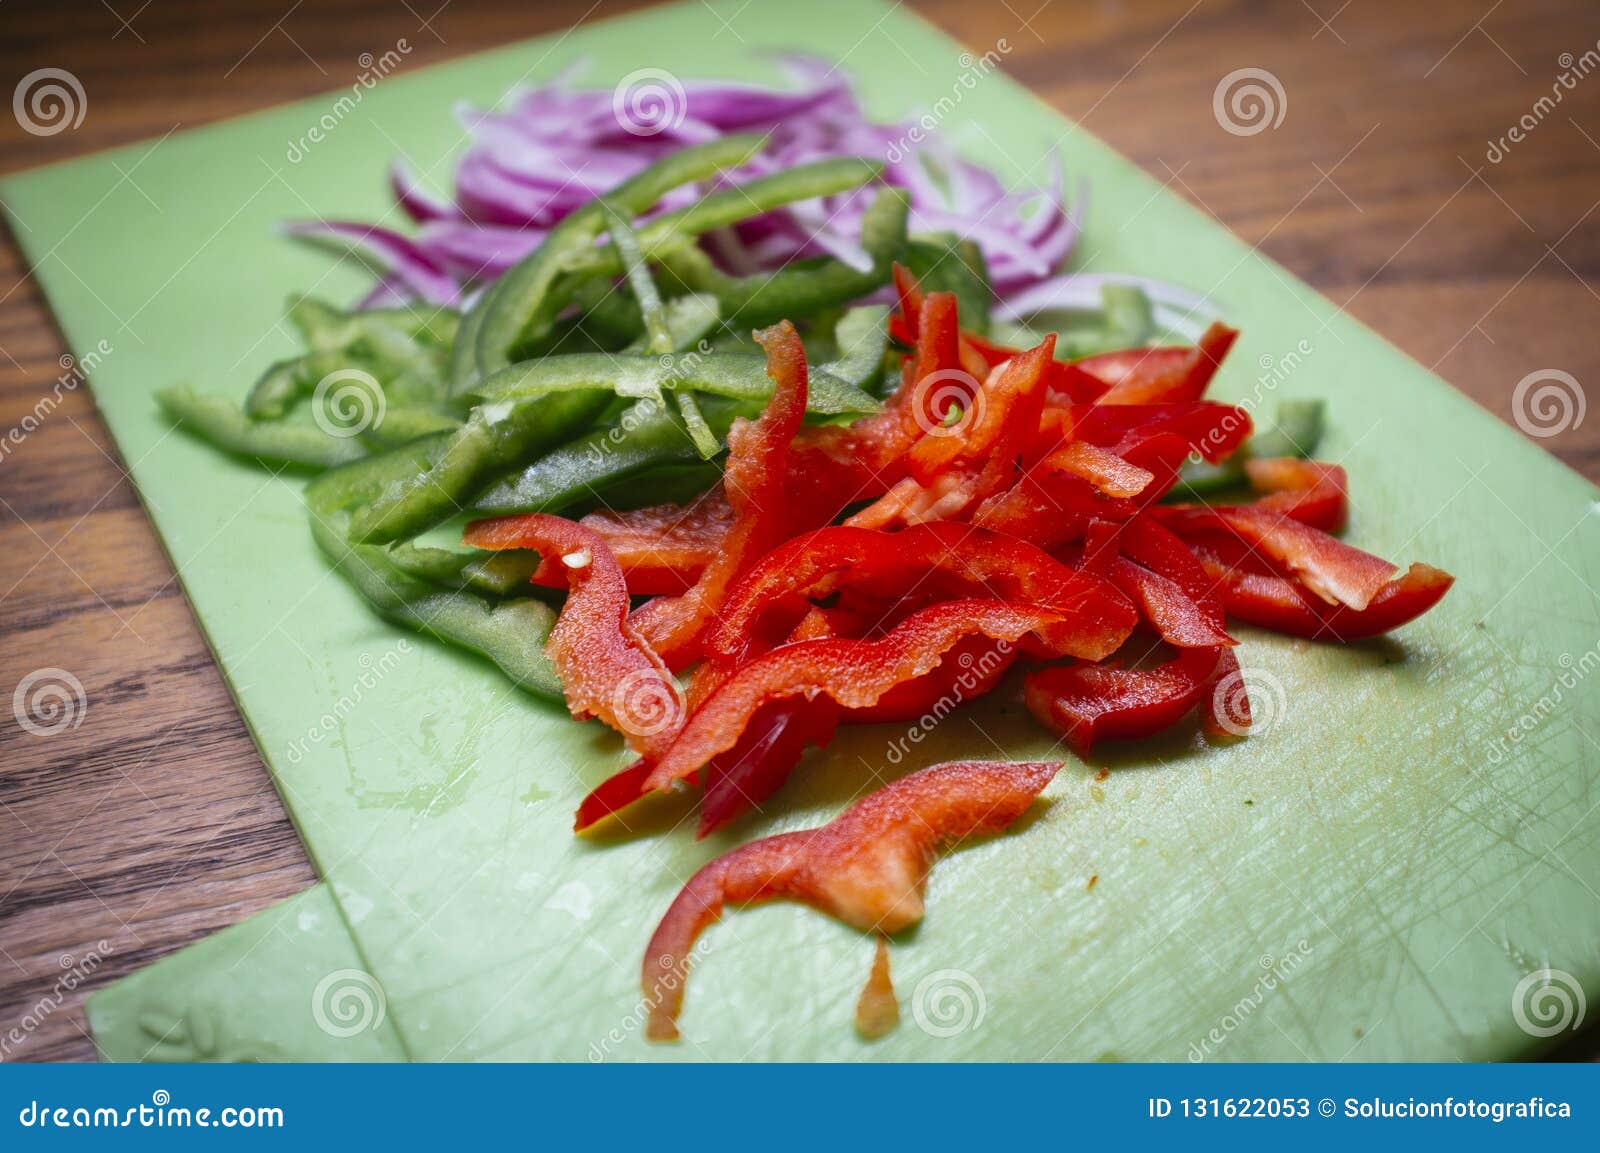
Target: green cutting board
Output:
[{"x": 1374, "y": 874}]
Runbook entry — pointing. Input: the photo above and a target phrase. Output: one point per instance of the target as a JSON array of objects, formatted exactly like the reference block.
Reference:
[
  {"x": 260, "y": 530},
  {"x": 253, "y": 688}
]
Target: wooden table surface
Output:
[{"x": 153, "y": 823}]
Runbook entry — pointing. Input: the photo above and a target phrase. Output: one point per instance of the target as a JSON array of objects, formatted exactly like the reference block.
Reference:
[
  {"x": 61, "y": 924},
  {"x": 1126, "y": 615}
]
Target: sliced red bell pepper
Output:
[
  {"x": 607, "y": 670},
  {"x": 1109, "y": 473},
  {"x": 971, "y": 669},
  {"x": 1049, "y": 508},
  {"x": 975, "y": 460},
  {"x": 738, "y": 780},
  {"x": 1272, "y": 602},
  {"x": 853, "y": 673},
  {"x": 1177, "y": 618},
  {"x": 1310, "y": 491},
  {"x": 662, "y": 550},
  {"x": 877, "y": 1009},
  {"x": 868, "y": 867},
  {"x": 771, "y": 598},
  {"x": 1225, "y": 705},
  {"x": 1337, "y": 572},
  {"x": 974, "y": 354},
  {"x": 1087, "y": 702},
  {"x": 1157, "y": 375},
  {"x": 612, "y": 795},
  {"x": 1102, "y": 547},
  {"x": 1213, "y": 430},
  {"x": 755, "y": 479},
  {"x": 1172, "y": 587}
]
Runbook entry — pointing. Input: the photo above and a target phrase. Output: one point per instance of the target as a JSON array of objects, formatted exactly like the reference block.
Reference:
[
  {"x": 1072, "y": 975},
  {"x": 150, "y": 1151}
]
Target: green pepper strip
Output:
[
  {"x": 401, "y": 423},
  {"x": 943, "y": 262},
  {"x": 226, "y": 426},
  {"x": 1296, "y": 433},
  {"x": 651, "y": 437},
  {"x": 728, "y": 206},
  {"x": 511, "y": 633},
  {"x": 496, "y": 574},
  {"x": 862, "y": 335},
  {"x": 645, "y": 437},
  {"x": 738, "y": 375},
  {"x": 706, "y": 442},
  {"x": 495, "y": 438},
  {"x": 524, "y": 303},
  {"x": 803, "y": 287},
  {"x": 403, "y": 350},
  {"x": 658, "y": 334}
]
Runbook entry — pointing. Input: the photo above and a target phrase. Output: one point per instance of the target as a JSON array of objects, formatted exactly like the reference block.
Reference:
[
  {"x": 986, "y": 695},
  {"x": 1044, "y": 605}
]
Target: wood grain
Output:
[{"x": 152, "y": 822}]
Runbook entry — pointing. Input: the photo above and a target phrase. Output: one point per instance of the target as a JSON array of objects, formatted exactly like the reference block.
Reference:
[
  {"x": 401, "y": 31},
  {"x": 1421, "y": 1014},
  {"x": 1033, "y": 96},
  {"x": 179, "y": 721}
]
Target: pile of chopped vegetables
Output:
[{"x": 724, "y": 550}]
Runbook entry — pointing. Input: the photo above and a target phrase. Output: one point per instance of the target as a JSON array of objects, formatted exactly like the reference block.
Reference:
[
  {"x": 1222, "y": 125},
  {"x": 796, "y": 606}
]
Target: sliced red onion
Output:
[
  {"x": 397, "y": 256},
  {"x": 475, "y": 251},
  {"x": 554, "y": 147},
  {"x": 420, "y": 205}
]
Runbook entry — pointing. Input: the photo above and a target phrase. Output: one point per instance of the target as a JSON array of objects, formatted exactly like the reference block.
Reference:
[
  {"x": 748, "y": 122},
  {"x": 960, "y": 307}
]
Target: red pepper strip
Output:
[
  {"x": 1213, "y": 430},
  {"x": 738, "y": 780},
  {"x": 607, "y": 670},
  {"x": 1335, "y": 571},
  {"x": 975, "y": 462},
  {"x": 1005, "y": 412},
  {"x": 1048, "y": 508},
  {"x": 868, "y": 867},
  {"x": 1155, "y": 547},
  {"x": 1096, "y": 620},
  {"x": 1102, "y": 546},
  {"x": 612, "y": 795},
  {"x": 1108, "y": 472},
  {"x": 1157, "y": 375},
  {"x": 1310, "y": 491},
  {"x": 1281, "y": 605},
  {"x": 968, "y": 671},
  {"x": 974, "y": 355},
  {"x": 1225, "y": 707},
  {"x": 662, "y": 550},
  {"x": 854, "y": 673},
  {"x": 755, "y": 480},
  {"x": 1086, "y": 702},
  {"x": 1177, "y": 618},
  {"x": 903, "y": 323}
]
